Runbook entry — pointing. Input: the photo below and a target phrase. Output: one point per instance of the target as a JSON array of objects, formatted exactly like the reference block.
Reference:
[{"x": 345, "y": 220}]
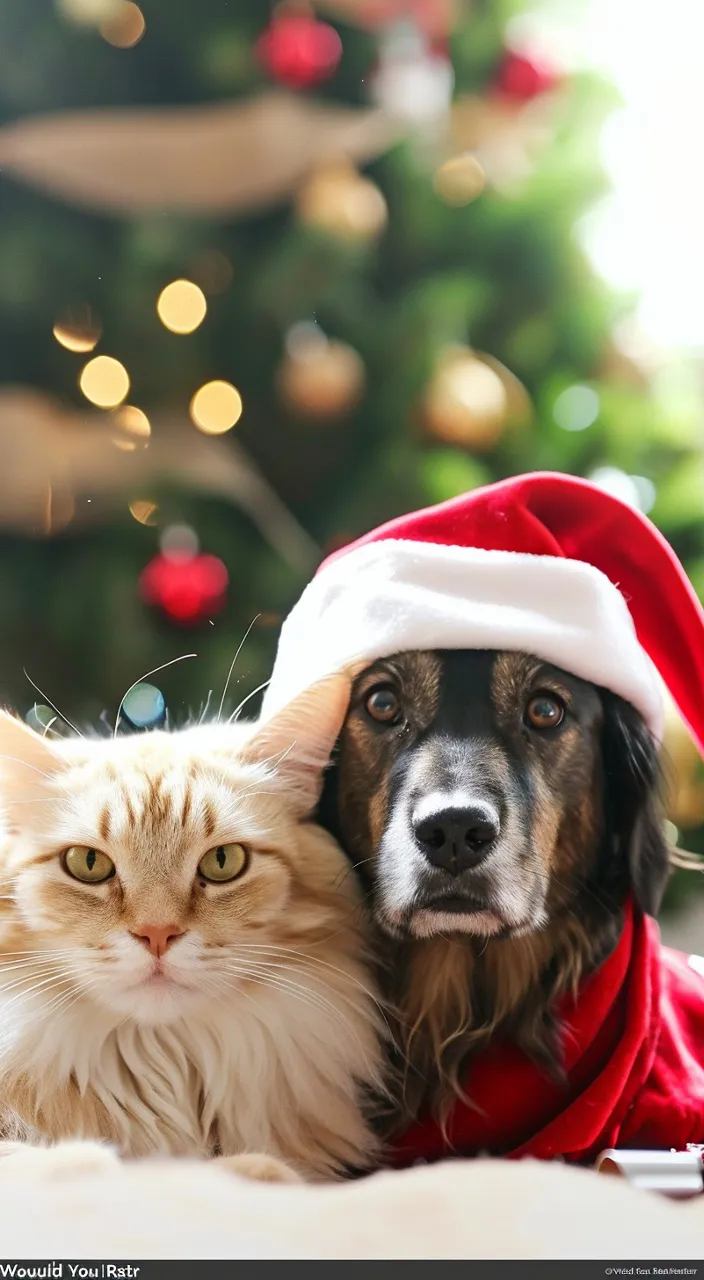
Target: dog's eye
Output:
[
  {"x": 545, "y": 712},
  {"x": 383, "y": 705}
]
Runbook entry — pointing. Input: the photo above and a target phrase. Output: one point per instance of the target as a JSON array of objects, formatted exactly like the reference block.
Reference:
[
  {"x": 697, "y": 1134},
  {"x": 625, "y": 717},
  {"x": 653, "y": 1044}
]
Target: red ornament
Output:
[
  {"x": 299, "y": 51},
  {"x": 521, "y": 78},
  {"x": 188, "y": 588}
]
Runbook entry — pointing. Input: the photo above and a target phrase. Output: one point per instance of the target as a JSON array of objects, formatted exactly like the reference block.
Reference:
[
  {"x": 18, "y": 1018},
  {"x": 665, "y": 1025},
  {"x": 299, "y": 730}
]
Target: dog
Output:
[{"x": 499, "y": 811}]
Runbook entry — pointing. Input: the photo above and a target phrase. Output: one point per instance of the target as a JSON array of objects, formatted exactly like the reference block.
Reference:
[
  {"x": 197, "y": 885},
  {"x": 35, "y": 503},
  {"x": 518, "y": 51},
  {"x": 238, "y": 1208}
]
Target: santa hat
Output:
[{"x": 544, "y": 563}]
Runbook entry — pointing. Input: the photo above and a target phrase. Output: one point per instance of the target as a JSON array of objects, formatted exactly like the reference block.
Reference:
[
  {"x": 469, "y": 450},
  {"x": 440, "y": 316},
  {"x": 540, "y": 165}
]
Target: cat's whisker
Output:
[
  {"x": 349, "y": 870},
  {"x": 182, "y": 658},
  {"x": 313, "y": 999},
  {"x": 38, "y": 951},
  {"x": 52, "y": 704},
  {"x": 204, "y": 712},
  {"x": 249, "y": 997},
  {"x": 36, "y": 800},
  {"x": 262, "y": 972},
  {"x": 305, "y": 971},
  {"x": 264, "y": 978},
  {"x": 276, "y": 760},
  {"x": 51, "y": 980},
  {"x": 16, "y": 965},
  {"x": 18, "y": 760},
  {"x": 232, "y": 667},
  {"x": 236, "y": 713},
  {"x": 303, "y": 956}
]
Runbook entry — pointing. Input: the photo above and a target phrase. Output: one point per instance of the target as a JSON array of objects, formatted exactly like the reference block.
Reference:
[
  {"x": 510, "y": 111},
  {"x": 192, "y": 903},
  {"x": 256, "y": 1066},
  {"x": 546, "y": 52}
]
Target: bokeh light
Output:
[
  {"x": 216, "y": 407},
  {"x": 125, "y": 28},
  {"x": 460, "y": 180},
  {"x": 181, "y": 306},
  {"x": 135, "y": 423},
  {"x": 473, "y": 385},
  {"x": 305, "y": 339},
  {"x": 105, "y": 382},
  {"x": 637, "y": 491},
  {"x": 179, "y": 542},
  {"x": 144, "y": 511},
  {"x": 339, "y": 200},
  {"x": 43, "y": 719},
  {"x": 78, "y": 329},
  {"x": 88, "y": 13},
  {"x": 576, "y": 408},
  {"x": 144, "y": 706}
]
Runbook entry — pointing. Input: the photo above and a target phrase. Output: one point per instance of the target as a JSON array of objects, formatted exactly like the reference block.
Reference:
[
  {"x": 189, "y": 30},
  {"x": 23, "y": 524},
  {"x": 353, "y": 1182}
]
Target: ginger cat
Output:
[{"x": 184, "y": 965}]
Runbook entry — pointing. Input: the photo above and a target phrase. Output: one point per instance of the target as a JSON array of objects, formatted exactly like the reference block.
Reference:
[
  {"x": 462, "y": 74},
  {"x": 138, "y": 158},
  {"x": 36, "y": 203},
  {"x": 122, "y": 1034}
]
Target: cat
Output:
[{"x": 185, "y": 964}]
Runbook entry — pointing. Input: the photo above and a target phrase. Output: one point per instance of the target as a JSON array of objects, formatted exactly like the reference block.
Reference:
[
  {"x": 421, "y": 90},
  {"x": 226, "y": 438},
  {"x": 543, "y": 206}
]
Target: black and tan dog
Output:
[{"x": 500, "y": 812}]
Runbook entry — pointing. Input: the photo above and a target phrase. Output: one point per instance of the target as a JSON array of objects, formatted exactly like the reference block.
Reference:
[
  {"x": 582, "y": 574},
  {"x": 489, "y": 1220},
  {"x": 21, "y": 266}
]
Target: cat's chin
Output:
[{"x": 155, "y": 999}]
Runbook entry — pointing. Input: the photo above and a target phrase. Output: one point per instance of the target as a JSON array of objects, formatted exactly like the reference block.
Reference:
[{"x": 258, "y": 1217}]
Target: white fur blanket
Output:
[{"x": 477, "y": 1209}]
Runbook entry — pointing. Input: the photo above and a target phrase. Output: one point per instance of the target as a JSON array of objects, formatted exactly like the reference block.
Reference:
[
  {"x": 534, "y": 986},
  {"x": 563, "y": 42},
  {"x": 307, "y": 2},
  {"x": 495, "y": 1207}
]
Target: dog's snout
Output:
[{"x": 457, "y": 839}]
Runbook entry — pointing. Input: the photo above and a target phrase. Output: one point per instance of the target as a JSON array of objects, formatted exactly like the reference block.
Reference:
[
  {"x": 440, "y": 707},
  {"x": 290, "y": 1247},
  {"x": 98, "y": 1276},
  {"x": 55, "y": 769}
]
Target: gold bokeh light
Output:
[
  {"x": 460, "y": 180},
  {"x": 134, "y": 421},
  {"x": 125, "y": 28},
  {"x": 78, "y": 329},
  {"x": 144, "y": 511},
  {"x": 104, "y": 381},
  {"x": 181, "y": 306},
  {"x": 216, "y": 407}
]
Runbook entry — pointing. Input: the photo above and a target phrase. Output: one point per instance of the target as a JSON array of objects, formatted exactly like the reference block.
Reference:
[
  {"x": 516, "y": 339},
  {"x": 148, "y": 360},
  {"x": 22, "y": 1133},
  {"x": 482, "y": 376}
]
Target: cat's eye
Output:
[
  {"x": 89, "y": 865},
  {"x": 225, "y": 862}
]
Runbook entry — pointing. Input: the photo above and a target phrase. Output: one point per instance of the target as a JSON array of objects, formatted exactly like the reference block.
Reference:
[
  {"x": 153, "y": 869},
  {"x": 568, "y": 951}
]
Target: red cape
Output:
[{"x": 634, "y": 1051}]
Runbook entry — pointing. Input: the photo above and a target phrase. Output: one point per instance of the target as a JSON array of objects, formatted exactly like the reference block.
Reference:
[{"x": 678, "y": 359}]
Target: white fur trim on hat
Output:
[{"x": 393, "y": 595}]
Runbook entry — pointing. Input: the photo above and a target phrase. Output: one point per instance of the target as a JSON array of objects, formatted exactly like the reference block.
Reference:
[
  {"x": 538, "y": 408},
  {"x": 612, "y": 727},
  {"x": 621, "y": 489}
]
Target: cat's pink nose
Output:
[{"x": 157, "y": 937}]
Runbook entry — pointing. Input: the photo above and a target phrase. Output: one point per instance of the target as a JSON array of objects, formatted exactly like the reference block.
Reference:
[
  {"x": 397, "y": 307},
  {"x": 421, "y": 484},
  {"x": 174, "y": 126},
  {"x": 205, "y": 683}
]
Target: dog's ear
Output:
[{"x": 632, "y": 794}]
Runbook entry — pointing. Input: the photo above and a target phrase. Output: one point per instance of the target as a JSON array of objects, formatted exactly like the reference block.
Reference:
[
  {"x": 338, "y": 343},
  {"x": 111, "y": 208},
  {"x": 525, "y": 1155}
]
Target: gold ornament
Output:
[
  {"x": 684, "y": 771},
  {"x": 471, "y": 400},
  {"x": 460, "y": 180},
  {"x": 337, "y": 199},
  {"x": 319, "y": 378}
]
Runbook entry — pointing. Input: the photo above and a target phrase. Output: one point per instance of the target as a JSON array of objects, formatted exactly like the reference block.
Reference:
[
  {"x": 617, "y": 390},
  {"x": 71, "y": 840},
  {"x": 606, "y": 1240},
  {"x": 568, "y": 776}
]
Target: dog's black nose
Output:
[{"x": 457, "y": 839}]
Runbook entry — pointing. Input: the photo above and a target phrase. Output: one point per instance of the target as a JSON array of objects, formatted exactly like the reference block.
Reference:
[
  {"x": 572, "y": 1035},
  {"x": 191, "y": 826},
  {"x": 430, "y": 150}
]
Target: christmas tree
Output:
[{"x": 269, "y": 276}]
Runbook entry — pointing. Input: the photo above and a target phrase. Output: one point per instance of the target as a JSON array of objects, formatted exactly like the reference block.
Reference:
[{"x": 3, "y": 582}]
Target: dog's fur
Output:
[{"x": 579, "y": 830}]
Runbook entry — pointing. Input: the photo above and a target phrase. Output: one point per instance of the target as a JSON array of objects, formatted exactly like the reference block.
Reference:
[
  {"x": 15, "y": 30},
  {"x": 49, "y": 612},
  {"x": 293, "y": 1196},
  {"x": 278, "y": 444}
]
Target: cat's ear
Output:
[
  {"x": 297, "y": 741},
  {"x": 27, "y": 761}
]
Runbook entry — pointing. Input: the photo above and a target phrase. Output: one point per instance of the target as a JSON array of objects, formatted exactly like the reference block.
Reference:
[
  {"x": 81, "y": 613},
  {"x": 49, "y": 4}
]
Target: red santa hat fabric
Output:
[{"x": 543, "y": 563}]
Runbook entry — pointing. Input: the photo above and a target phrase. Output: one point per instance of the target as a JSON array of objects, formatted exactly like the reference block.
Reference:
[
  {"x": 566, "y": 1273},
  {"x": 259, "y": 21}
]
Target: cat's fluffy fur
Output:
[{"x": 275, "y": 1039}]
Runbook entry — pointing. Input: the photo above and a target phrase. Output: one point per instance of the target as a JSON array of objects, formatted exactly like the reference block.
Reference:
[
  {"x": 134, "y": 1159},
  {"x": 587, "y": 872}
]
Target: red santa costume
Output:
[{"x": 549, "y": 565}]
